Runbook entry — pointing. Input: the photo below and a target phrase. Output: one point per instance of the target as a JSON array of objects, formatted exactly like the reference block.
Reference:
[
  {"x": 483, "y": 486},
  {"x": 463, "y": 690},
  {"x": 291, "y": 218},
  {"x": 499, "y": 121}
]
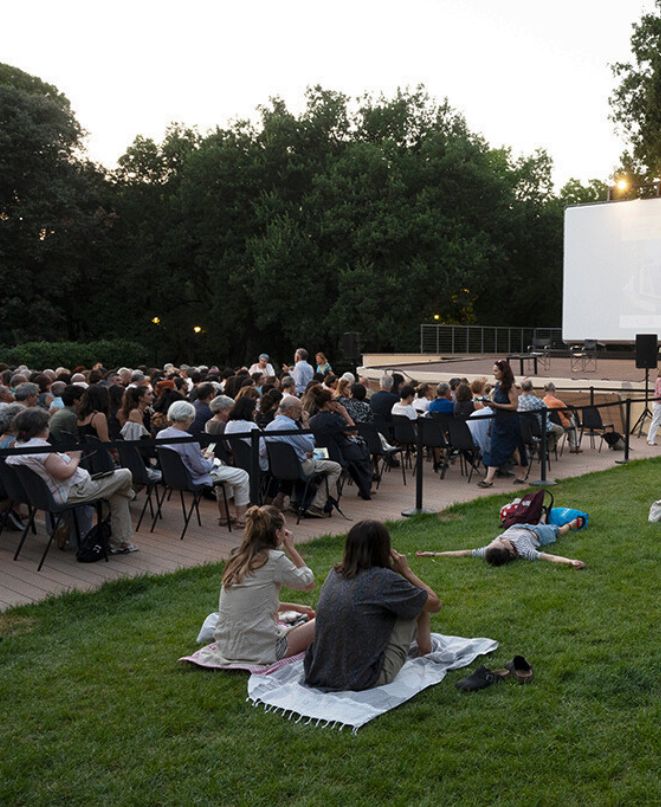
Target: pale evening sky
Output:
[{"x": 525, "y": 73}]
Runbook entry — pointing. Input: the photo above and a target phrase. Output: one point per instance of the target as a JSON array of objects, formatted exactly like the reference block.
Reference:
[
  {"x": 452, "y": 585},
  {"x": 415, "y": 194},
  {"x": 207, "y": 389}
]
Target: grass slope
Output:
[{"x": 95, "y": 710}]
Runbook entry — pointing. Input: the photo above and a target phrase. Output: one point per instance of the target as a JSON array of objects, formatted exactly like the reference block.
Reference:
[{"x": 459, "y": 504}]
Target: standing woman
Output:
[
  {"x": 505, "y": 433},
  {"x": 323, "y": 365},
  {"x": 248, "y": 630},
  {"x": 656, "y": 412}
]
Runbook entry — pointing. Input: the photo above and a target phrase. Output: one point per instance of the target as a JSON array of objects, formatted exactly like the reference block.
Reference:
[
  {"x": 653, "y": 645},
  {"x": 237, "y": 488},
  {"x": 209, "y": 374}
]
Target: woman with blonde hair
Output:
[{"x": 248, "y": 629}]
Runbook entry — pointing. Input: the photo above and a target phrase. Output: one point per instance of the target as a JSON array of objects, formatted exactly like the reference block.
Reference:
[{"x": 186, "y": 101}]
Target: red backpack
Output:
[{"x": 528, "y": 510}]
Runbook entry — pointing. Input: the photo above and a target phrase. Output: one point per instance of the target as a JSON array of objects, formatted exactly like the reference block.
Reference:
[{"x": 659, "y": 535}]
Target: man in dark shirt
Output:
[
  {"x": 63, "y": 424},
  {"x": 382, "y": 402},
  {"x": 205, "y": 392}
]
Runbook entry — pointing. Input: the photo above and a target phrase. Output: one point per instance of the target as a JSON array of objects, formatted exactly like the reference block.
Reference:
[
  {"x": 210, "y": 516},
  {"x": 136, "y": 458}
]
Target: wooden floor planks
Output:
[{"x": 162, "y": 551}]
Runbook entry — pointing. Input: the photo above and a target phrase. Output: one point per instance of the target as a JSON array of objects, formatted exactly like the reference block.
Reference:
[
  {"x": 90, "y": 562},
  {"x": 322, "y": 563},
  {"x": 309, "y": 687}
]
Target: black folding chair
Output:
[
  {"x": 379, "y": 455},
  {"x": 592, "y": 422},
  {"x": 242, "y": 456},
  {"x": 42, "y": 499},
  {"x": 433, "y": 438},
  {"x": 131, "y": 458},
  {"x": 531, "y": 435},
  {"x": 96, "y": 458},
  {"x": 177, "y": 477},
  {"x": 460, "y": 438},
  {"x": 405, "y": 436},
  {"x": 16, "y": 492},
  {"x": 285, "y": 467}
]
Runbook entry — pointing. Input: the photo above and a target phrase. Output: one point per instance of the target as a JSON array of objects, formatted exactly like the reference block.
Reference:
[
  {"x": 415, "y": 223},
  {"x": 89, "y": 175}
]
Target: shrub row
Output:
[{"x": 110, "y": 352}]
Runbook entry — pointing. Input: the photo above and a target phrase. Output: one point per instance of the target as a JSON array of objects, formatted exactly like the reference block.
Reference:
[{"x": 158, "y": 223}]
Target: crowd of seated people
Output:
[{"x": 133, "y": 403}]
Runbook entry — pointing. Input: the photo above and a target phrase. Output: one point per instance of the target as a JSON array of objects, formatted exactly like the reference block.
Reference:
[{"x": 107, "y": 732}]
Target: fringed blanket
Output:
[
  {"x": 283, "y": 690},
  {"x": 210, "y": 658}
]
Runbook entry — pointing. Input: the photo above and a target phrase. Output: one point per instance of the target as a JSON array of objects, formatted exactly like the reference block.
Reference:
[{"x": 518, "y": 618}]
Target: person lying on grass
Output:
[
  {"x": 370, "y": 609},
  {"x": 519, "y": 541},
  {"x": 248, "y": 629}
]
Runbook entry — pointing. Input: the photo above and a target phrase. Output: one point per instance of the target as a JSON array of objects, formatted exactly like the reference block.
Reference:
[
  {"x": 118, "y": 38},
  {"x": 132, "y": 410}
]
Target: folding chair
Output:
[
  {"x": 405, "y": 436},
  {"x": 285, "y": 466},
  {"x": 96, "y": 457},
  {"x": 460, "y": 438},
  {"x": 433, "y": 437},
  {"x": 41, "y": 498},
  {"x": 131, "y": 458},
  {"x": 595, "y": 426},
  {"x": 177, "y": 477},
  {"x": 242, "y": 456},
  {"x": 370, "y": 434},
  {"x": 16, "y": 492}
]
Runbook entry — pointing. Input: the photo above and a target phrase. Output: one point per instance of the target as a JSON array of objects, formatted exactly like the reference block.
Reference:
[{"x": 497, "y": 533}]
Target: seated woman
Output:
[
  {"x": 329, "y": 425},
  {"x": 370, "y": 609},
  {"x": 241, "y": 420},
  {"x": 203, "y": 469},
  {"x": 518, "y": 541},
  {"x": 135, "y": 412},
  {"x": 247, "y": 629},
  {"x": 71, "y": 484},
  {"x": 463, "y": 401},
  {"x": 93, "y": 412}
]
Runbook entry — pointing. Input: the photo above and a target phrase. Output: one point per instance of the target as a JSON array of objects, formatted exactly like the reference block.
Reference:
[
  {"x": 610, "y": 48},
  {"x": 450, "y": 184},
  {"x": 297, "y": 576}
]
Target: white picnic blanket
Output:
[{"x": 284, "y": 691}]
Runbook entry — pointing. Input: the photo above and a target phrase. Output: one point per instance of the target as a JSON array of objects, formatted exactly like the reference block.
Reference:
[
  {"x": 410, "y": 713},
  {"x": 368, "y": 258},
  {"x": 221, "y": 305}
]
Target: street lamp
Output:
[
  {"x": 197, "y": 329},
  {"x": 156, "y": 320}
]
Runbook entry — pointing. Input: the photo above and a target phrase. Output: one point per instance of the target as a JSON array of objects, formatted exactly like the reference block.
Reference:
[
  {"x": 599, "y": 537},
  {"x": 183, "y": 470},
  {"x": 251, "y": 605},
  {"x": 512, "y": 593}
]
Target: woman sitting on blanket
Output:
[
  {"x": 248, "y": 629},
  {"x": 370, "y": 609},
  {"x": 518, "y": 541}
]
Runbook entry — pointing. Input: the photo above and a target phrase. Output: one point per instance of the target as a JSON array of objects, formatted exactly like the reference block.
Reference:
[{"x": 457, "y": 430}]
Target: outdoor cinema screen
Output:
[{"x": 612, "y": 271}]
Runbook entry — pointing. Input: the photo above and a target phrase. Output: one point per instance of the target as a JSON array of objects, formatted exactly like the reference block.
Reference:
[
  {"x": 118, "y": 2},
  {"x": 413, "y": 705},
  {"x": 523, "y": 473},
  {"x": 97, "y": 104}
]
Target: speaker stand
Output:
[{"x": 646, "y": 413}]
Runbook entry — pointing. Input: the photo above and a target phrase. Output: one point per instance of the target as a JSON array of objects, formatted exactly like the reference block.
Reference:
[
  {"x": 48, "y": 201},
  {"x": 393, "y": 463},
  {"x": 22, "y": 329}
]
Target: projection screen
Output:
[{"x": 612, "y": 271}]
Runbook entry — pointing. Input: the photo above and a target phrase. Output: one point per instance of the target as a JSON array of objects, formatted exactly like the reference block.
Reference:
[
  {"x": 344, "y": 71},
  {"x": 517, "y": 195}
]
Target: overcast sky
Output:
[{"x": 525, "y": 73}]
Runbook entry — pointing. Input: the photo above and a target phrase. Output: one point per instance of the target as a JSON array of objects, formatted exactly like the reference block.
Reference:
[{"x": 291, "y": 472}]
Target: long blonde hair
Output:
[{"x": 262, "y": 524}]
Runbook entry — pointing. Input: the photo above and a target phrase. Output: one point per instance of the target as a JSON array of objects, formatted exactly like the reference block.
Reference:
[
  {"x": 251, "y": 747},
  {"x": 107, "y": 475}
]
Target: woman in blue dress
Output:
[{"x": 505, "y": 431}]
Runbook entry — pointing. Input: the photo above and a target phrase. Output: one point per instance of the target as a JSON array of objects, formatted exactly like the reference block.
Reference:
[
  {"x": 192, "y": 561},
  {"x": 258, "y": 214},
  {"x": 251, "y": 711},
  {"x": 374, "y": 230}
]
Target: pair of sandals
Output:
[
  {"x": 235, "y": 522},
  {"x": 518, "y": 669}
]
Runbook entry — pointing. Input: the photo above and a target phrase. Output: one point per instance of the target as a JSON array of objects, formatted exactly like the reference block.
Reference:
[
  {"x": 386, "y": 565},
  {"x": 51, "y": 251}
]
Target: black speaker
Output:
[
  {"x": 350, "y": 344},
  {"x": 647, "y": 349}
]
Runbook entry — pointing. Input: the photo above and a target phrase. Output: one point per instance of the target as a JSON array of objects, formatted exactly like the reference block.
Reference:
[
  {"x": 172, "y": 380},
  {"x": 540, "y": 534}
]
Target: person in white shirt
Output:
[
  {"x": 405, "y": 404},
  {"x": 262, "y": 366},
  {"x": 424, "y": 394}
]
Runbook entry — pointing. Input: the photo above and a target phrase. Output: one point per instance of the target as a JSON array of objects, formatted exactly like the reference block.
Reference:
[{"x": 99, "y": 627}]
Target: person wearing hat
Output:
[{"x": 262, "y": 366}]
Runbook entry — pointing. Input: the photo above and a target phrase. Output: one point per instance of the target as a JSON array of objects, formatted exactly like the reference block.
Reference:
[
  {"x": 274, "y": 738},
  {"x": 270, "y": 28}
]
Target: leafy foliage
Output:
[
  {"x": 111, "y": 353},
  {"x": 636, "y": 102},
  {"x": 369, "y": 217}
]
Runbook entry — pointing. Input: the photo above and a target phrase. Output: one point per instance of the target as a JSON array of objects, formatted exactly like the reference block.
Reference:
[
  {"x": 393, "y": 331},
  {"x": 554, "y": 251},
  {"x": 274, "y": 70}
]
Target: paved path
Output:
[{"x": 162, "y": 551}]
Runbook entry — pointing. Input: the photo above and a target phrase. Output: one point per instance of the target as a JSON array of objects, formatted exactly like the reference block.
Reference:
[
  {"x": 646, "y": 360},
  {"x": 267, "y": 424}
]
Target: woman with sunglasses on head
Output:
[{"x": 248, "y": 629}]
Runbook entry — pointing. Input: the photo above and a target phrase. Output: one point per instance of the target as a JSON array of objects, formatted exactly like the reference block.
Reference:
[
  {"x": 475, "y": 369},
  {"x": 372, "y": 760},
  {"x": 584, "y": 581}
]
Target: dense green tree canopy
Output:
[
  {"x": 636, "y": 102},
  {"x": 368, "y": 217}
]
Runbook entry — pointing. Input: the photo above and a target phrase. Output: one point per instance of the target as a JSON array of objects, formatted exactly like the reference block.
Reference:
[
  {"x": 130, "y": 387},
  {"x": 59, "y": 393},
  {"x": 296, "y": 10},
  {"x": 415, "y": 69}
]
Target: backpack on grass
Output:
[{"x": 531, "y": 509}]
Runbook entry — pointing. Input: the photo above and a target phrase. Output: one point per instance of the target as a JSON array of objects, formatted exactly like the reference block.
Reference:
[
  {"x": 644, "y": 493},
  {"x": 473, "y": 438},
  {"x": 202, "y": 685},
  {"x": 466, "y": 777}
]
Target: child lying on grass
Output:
[{"x": 519, "y": 541}]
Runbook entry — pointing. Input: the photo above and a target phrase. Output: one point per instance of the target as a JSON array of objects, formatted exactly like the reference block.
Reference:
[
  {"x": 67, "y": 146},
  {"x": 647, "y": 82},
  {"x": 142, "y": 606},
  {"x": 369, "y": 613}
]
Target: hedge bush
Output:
[{"x": 110, "y": 352}]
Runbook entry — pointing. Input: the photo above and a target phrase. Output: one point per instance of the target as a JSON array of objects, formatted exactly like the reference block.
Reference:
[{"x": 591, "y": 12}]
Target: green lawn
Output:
[{"x": 95, "y": 709}]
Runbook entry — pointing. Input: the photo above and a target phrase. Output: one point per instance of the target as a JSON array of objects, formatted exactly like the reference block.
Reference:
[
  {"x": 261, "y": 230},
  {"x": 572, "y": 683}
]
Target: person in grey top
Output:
[
  {"x": 370, "y": 609},
  {"x": 518, "y": 541}
]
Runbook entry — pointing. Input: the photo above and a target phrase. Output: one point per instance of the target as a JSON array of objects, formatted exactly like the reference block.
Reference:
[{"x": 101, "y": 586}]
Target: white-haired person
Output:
[{"x": 202, "y": 468}]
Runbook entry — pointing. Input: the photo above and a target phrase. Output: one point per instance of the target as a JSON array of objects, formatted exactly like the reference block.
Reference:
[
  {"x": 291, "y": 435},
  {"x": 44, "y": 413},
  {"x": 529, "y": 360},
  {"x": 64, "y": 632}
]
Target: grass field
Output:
[{"x": 95, "y": 708}]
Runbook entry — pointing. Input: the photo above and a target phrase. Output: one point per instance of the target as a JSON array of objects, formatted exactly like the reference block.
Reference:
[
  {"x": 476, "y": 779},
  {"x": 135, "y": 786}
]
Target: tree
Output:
[
  {"x": 52, "y": 219},
  {"x": 636, "y": 103}
]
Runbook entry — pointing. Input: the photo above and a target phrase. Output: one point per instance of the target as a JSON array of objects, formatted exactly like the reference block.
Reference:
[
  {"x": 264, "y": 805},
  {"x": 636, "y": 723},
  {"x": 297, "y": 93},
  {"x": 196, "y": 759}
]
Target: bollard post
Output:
[
  {"x": 627, "y": 430},
  {"x": 419, "y": 469},
  {"x": 254, "y": 466},
  {"x": 543, "y": 481}
]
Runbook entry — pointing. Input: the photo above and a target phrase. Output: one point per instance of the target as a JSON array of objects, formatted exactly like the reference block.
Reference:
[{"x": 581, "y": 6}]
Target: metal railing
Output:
[{"x": 451, "y": 339}]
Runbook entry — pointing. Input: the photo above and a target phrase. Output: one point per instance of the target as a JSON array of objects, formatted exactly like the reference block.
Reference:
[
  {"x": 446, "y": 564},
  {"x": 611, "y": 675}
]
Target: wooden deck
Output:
[{"x": 162, "y": 551}]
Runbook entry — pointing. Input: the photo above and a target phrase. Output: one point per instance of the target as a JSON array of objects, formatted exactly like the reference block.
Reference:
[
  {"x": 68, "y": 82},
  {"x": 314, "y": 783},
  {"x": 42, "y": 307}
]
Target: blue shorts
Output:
[{"x": 546, "y": 533}]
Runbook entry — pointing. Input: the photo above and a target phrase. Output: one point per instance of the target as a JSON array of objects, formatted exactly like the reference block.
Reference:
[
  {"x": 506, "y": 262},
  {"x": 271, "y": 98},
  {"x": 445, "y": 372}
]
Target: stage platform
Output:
[
  {"x": 607, "y": 371},
  {"x": 610, "y": 382}
]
